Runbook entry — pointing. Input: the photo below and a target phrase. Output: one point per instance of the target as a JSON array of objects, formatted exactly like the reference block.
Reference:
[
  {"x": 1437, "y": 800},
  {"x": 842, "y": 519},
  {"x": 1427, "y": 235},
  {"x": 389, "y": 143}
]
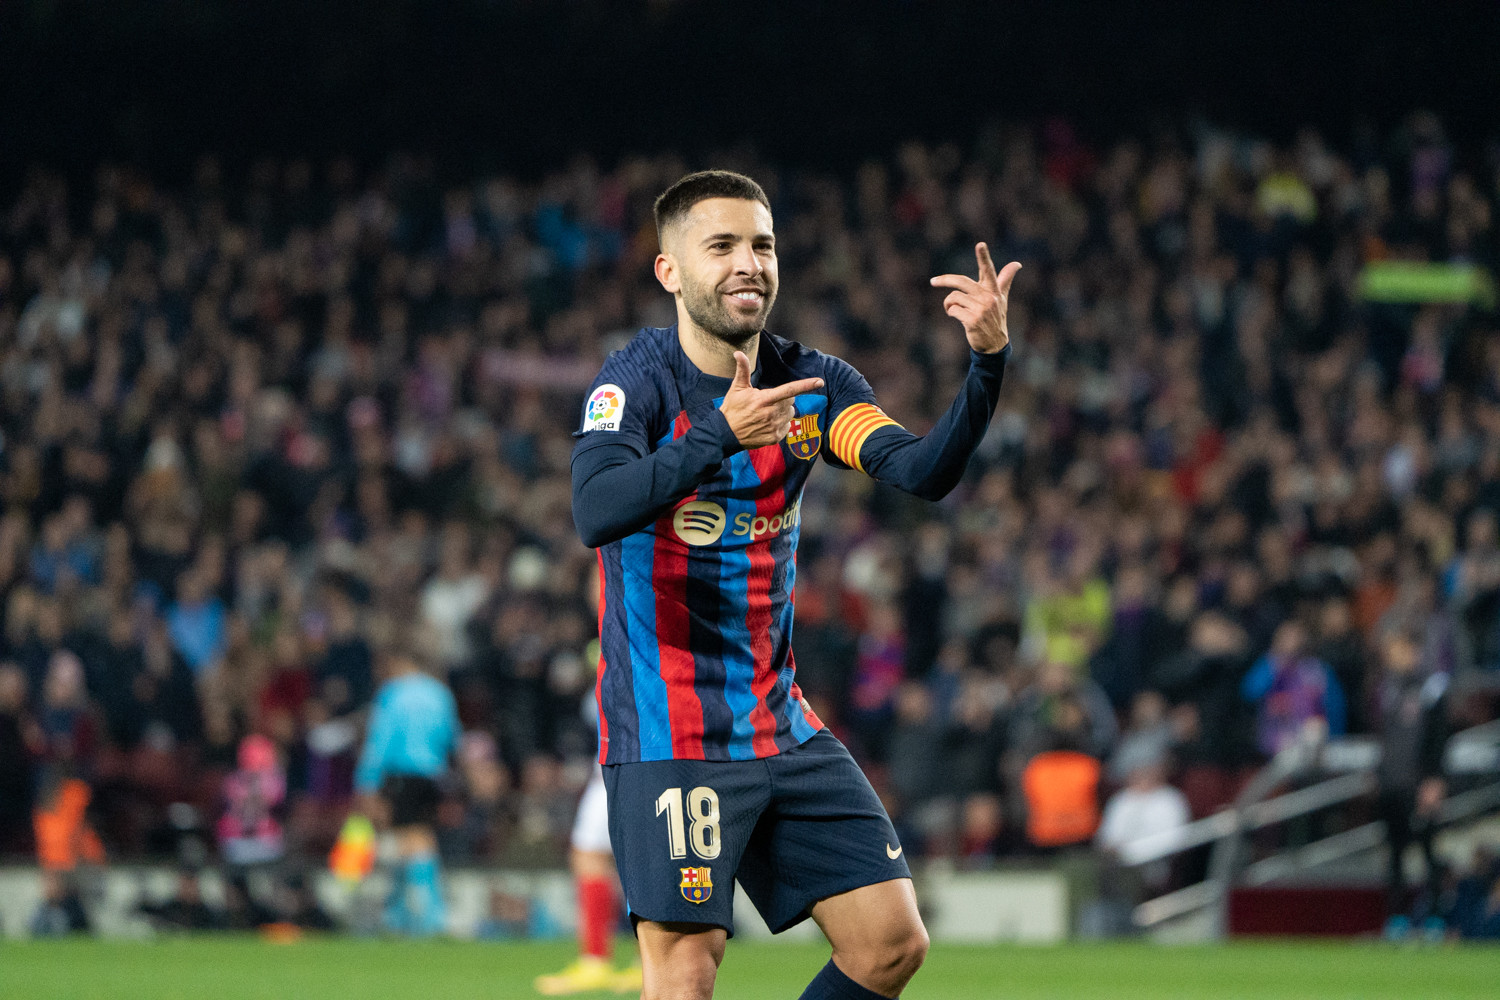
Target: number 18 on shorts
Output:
[{"x": 793, "y": 828}]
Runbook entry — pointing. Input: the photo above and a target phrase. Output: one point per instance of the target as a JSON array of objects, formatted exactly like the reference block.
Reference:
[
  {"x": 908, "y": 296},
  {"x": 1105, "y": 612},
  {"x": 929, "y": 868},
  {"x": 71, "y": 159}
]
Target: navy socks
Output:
[{"x": 832, "y": 984}]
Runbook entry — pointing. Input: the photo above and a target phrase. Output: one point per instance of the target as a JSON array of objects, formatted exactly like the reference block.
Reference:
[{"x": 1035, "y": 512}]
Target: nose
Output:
[{"x": 747, "y": 261}]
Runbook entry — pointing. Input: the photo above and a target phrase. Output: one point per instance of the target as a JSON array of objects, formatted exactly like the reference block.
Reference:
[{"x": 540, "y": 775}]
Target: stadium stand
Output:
[{"x": 256, "y": 426}]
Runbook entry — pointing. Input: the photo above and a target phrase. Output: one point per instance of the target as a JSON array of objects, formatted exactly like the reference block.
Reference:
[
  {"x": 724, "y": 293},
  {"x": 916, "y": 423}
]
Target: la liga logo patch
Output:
[
  {"x": 697, "y": 886},
  {"x": 605, "y": 407}
]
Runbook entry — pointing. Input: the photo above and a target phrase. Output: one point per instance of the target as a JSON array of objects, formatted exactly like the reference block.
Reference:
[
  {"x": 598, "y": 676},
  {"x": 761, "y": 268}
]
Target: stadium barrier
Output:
[
  {"x": 1322, "y": 774},
  {"x": 971, "y": 907}
]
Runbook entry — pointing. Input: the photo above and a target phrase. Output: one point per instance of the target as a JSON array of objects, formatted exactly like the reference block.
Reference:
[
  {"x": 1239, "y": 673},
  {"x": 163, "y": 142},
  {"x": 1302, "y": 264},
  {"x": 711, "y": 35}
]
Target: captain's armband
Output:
[{"x": 852, "y": 428}]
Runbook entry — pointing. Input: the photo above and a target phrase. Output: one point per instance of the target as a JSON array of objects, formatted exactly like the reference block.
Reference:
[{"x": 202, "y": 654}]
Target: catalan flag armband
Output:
[{"x": 852, "y": 428}]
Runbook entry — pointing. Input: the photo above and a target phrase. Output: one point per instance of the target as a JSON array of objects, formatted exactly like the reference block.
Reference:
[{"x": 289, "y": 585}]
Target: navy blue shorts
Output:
[{"x": 794, "y": 828}]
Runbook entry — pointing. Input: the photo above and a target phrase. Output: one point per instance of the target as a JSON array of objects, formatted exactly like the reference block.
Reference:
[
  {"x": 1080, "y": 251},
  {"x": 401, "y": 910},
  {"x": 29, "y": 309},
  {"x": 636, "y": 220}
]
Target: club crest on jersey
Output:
[
  {"x": 605, "y": 408},
  {"x": 696, "y": 884},
  {"x": 805, "y": 437}
]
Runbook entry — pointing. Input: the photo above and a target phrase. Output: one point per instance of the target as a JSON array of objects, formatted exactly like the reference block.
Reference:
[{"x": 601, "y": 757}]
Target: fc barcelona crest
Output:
[
  {"x": 696, "y": 884},
  {"x": 805, "y": 437}
]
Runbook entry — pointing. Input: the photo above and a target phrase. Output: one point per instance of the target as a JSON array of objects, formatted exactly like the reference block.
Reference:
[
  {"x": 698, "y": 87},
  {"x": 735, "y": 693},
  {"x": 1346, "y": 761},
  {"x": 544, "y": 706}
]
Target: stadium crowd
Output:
[{"x": 255, "y": 428}]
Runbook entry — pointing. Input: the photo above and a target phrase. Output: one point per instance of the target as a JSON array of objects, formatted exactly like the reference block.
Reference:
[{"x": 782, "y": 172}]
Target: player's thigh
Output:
[
  {"x": 679, "y": 960},
  {"x": 679, "y": 829},
  {"x": 825, "y": 834}
]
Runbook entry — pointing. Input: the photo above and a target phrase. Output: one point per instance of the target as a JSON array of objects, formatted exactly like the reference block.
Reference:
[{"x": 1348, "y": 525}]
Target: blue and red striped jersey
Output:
[{"x": 695, "y": 611}]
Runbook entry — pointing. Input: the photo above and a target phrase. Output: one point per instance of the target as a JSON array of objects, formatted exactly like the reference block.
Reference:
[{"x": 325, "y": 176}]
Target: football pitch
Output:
[{"x": 341, "y": 969}]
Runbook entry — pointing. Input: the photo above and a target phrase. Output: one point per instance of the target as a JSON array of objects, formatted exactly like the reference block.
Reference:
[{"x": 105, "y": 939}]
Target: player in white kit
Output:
[{"x": 593, "y": 864}]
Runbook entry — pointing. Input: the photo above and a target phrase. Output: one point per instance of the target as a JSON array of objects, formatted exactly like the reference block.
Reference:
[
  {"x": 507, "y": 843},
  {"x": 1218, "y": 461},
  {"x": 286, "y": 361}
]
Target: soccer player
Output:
[
  {"x": 695, "y": 444},
  {"x": 593, "y": 864},
  {"x": 592, "y": 861},
  {"x": 413, "y": 731}
]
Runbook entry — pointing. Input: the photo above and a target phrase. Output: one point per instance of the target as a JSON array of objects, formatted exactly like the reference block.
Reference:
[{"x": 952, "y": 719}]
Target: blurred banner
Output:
[{"x": 1412, "y": 282}]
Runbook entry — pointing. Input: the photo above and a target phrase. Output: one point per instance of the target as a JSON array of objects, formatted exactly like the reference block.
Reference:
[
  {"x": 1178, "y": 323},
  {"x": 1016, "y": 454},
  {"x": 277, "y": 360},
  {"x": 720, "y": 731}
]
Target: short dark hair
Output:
[{"x": 676, "y": 201}]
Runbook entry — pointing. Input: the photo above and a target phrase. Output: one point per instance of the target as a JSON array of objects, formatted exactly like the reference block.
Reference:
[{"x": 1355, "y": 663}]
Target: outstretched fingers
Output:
[
  {"x": 958, "y": 282},
  {"x": 792, "y": 389},
  {"x": 987, "y": 276},
  {"x": 1008, "y": 275}
]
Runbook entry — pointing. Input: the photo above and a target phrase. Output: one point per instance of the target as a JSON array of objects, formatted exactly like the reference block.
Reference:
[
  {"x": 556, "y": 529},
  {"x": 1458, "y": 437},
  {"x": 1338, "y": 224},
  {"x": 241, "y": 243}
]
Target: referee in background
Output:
[{"x": 413, "y": 731}]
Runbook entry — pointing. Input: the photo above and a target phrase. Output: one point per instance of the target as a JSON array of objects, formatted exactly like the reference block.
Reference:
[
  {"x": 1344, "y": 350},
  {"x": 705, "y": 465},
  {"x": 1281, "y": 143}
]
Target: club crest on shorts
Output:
[
  {"x": 805, "y": 437},
  {"x": 696, "y": 884}
]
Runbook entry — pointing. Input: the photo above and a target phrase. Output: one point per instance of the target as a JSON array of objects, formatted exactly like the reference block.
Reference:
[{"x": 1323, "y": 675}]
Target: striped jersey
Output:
[{"x": 695, "y": 611}]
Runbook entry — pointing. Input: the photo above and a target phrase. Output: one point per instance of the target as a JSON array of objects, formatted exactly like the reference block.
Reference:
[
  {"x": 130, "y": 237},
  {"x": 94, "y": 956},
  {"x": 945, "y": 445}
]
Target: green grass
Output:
[{"x": 336, "y": 969}]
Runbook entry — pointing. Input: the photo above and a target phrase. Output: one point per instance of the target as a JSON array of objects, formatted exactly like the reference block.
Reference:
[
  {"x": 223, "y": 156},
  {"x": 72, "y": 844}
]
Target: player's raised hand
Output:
[
  {"x": 760, "y": 417},
  {"x": 980, "y": 305}
]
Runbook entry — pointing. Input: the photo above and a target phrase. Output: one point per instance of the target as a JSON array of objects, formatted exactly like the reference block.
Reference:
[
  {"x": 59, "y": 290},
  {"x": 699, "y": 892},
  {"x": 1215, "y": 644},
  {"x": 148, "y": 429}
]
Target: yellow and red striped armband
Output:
[{"x": 852, "y": 428}]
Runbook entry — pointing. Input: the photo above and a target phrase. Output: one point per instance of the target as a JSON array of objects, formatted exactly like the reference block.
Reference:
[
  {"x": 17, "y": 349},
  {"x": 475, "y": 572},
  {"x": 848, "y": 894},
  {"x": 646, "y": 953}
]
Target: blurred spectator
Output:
[
  {"x": 1293, "y": 691},
  {"x": 1340, "y": 647},
  {"x": 250, "y": 832},
  {"x": 1413, "y": 734},
  {"x": 452, "y": 596},
  {"x": 196, "y": 623},
  {"x": 1062, "y": 796},
  {"x": 1204, "y": 683},
  {"x": 18, "y": 741},
  {"x": 879, "y": 668},
  {"x": 1475, "y": 913},
  {"x": 1067, "y": 617},
  {"x": 1061, "y": 702},
  {"x": 482, "y": 827},
  {"x": 1139, "y": 637},
  {"x": 1148, "y": 737},
  {"x": 1472, "y": 583},
  {"x": 343, "y": 677},
  {"x": 65, "y": 843},
  {"x": 1145, "y": 807},
  {"x": 67, "y": 718}
]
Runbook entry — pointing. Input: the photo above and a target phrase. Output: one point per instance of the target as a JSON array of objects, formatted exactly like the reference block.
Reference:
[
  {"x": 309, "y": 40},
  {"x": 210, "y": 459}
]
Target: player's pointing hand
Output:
[
  {"x": 980, "y": 305},
  {"x": 760, "y": 417}
]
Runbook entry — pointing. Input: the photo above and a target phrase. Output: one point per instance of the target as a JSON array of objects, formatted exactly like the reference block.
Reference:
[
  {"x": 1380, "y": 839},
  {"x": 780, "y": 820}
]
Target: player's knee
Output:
[
  {"x": 909, "y": 952},
  {"x": 687, "y": 976},
  {"x": 887, "y": 965}
]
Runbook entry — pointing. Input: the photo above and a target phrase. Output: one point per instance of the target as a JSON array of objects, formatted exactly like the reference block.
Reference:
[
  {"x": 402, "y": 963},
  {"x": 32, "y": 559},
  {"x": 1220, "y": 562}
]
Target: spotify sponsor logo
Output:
[
  {"x": 699, "y": 522},
  {"x": 702, "y": 522}
]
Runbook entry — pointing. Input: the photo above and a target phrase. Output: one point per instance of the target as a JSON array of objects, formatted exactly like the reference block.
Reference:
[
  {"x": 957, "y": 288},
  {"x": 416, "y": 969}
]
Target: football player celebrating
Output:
[{"x": 695, "y": 444}]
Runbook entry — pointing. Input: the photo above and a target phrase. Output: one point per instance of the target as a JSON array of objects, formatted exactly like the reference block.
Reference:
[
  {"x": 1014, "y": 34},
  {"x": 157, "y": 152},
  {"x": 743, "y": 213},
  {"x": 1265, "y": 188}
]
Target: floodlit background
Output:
[{"x": 298, "y": 303}]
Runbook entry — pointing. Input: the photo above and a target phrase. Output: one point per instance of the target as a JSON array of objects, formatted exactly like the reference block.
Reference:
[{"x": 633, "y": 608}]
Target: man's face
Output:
[{"x": 722, "y": 259}]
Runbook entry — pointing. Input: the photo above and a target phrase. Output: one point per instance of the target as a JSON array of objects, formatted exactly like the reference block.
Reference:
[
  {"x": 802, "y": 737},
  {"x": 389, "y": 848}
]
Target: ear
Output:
[{"x": 666, "y": 273}]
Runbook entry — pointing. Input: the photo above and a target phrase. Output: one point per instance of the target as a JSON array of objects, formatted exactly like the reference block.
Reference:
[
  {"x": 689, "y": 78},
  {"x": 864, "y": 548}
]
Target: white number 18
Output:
[{"x": 703, "y": 808}]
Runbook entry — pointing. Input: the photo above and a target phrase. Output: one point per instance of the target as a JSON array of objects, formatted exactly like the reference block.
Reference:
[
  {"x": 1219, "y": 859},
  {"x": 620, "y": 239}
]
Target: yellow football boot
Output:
[
  {"x": 587, "y": 975},
  {"x": 629, "y": 979}
]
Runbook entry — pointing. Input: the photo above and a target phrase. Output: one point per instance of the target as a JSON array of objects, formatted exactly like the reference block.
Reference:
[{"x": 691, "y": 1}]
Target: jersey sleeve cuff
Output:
[
  {"x": 719, "y": 425},
  {"x": 993, "y": 362}
]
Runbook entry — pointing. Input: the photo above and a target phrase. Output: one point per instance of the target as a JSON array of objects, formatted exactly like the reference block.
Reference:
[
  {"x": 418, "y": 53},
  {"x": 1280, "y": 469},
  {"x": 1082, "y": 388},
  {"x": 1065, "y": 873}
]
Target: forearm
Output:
[
  {"x": 930, "y": 466},
  {"x": 617, "y": 492}
]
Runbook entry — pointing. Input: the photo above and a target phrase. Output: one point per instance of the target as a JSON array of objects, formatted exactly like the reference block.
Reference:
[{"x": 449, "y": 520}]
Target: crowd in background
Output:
[{"x": 255, "y": 426}]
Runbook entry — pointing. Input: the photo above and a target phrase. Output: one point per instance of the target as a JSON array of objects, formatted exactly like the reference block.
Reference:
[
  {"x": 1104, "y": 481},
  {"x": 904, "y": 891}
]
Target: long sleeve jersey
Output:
[{"x": 697, "y": 536}]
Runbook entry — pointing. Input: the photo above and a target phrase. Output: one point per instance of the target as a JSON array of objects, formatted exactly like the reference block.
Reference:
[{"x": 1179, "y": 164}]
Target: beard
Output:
[{"x": 706, "y": 307}]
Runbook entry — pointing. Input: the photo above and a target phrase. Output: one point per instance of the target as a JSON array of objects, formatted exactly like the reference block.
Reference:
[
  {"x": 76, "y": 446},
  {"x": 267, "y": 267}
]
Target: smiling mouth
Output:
[{"x": 747, "y": 296}]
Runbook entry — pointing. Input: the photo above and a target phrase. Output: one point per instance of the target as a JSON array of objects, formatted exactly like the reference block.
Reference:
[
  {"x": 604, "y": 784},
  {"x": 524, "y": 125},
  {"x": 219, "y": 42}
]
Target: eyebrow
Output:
[{"x": 716, "y": 237}]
